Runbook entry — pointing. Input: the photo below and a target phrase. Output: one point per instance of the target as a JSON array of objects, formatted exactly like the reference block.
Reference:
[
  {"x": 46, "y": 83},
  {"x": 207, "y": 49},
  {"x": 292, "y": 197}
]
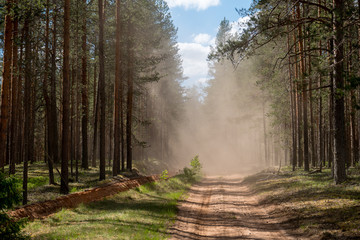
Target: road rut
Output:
[{"x": 224, "y": 208}]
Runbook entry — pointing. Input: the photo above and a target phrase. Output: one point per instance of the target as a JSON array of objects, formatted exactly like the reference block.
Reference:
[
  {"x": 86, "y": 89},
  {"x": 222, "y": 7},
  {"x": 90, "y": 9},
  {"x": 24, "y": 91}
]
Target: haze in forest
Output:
[{"x": 223, "y": 122}]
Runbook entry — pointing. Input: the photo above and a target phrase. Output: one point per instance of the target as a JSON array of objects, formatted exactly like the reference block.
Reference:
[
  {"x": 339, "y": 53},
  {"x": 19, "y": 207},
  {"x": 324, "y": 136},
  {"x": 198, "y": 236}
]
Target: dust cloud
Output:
[{"x": 224, "y": 122}]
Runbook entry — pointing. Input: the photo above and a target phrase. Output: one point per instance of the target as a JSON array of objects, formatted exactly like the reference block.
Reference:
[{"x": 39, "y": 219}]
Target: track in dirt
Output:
[{"x": 224, "y": 208}]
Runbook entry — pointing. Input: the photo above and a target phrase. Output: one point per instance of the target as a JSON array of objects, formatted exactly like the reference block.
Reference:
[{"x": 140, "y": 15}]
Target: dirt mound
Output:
[{"x": 44, "y": 209}]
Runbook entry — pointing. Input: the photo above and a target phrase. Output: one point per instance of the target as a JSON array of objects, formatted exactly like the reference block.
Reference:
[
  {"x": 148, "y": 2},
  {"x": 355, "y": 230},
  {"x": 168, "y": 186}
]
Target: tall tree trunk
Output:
[
  {"x": 355, "y": 137},
  {"x": 312, "y": 120},
  {"x": 77, "y": 120},
  {"x": 96, "y": 120},
  {"x": 130, "y": 81},
  {"x": 66, "y": 103},
  {"x": 331, "y": 114},
  {"x": 293, "y": 111},
  {"x": 27, "y": 100},
  {"x": 304, "y": 92},
  {"x": 117, "y": 99},
  {"x": 20, "y": 97},
  {"x": 320, "y": 129},
  {"x": 15, "y": 85},
  {"x": 122, "y": 127},
  {"x": 297, "y": 105},
  {"x": 102, "y": 88},
  {"x": 85, "y": 101},
  {"x": 72, "y": 117},
  {"x": 32, "y": 104},
  {"x": 340, "y": 151},
  {"x": 5, "y": 86},
  {"x": 49, "y": 150},
  {"x": 53, "y": 125}
]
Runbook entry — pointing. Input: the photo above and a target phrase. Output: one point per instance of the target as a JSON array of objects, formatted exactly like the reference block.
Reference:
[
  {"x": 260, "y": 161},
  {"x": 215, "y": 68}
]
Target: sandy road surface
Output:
[{"x": 224, "y": 208}]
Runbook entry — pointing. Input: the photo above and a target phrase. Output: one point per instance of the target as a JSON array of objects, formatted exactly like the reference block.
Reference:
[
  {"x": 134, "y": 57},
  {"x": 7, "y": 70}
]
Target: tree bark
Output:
[
  {"x": 5, "y": 86},
  {"x": 117, "y": 140},
  {"x": 14, "y": 101},
  {"x": 293, "y": 110},
  {"x": 53, "y": 124},
  {"x": 27, "y": 100},
  {"x": 85, "y": 101},
  {"x": 66, "y": 103},
  {"x": 304, "y": 92},
  {"x": 340, "y": 152},
  {"x": 102, "y": 88},
  {"x": 320, "y": 129},
  {"x": 96, "y": 119},
  {"x": 49, "y": 153},
  {"x": 130, "y": 80}
]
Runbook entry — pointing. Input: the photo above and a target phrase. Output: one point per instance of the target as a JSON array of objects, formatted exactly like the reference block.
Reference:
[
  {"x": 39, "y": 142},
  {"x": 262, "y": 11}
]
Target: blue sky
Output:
[{"x": 197, "y": 22}]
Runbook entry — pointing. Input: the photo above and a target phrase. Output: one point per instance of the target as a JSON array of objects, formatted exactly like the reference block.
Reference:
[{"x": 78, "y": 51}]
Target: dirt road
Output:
[{"x": 224, "y": 208}]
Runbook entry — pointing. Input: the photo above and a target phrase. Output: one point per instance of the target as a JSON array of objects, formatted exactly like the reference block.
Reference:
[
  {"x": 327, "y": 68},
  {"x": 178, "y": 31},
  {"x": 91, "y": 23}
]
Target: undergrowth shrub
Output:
[
  {"x": 194, "y": 172},
  {"x": 164, "y": 175},
  {"x": 9, "y": 196}
]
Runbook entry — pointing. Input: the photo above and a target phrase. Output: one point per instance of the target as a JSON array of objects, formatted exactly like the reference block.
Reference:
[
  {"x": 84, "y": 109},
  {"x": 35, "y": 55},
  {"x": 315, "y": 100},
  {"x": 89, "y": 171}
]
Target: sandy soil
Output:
[{"x": 224, "y": 208}]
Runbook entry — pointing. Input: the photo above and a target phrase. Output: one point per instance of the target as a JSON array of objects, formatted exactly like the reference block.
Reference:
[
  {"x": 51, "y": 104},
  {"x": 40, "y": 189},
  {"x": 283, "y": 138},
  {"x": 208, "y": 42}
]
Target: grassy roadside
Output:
[
  {"x": 141, "y": 213},
  {"x": 311, "y": 204},
  {"x": 38, "y": 179}
]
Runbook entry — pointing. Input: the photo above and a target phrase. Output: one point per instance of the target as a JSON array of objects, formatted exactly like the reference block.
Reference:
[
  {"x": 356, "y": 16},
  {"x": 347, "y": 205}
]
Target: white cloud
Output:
[
  {"x": 204, "y": 39},
  {"x": 193, "y": 4},
  {"x": 194, "y": 56}
]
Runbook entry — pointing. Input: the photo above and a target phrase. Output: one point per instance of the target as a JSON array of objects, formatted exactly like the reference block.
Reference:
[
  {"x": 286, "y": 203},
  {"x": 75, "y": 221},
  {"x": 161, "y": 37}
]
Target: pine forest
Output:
[{"x": 177, "y": 119}]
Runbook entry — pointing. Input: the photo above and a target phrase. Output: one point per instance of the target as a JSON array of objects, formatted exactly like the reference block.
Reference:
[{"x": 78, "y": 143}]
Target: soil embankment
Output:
[{"x": 46, "y": 208}]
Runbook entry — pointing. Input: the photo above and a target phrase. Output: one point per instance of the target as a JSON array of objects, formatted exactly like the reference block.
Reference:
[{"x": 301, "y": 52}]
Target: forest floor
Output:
[
  {"x": 310, "y": 204},
  {"x": 145, "y": 212},
  {"x": 38, "y": 179},
  {"x": 271, "y": 205},
  {"x": 43, "y": 209}
]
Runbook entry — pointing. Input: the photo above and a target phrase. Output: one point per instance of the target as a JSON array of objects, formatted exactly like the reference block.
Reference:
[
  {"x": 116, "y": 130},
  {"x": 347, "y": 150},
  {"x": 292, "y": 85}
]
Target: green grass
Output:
[
  {"x": 145, "y": 212},
  {"x": 312, "y": 203}
]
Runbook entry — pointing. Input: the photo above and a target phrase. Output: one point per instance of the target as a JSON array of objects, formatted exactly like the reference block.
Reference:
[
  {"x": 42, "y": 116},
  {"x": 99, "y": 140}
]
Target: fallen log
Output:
[{"x": 43, "y": 209}]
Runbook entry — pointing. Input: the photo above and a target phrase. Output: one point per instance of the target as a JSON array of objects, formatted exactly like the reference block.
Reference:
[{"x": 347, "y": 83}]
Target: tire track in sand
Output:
[{"x": 223, "y": 208}]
